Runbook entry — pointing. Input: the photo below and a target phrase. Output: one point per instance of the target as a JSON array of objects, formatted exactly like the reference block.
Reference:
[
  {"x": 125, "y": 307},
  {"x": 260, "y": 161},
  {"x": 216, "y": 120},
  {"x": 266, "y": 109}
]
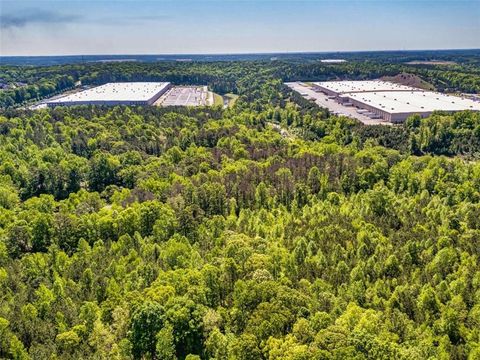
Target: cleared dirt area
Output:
[
  {"x": 186, "y": 96},
  {"x": 409, "y": 80},
  {"x": 217, "y": 100},
  {"x": 230, "y": 99}
]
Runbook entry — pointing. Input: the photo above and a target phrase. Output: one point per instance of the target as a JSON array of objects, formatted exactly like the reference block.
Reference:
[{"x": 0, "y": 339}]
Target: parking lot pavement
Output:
[
  {"x": 184, "y": 96},
  {"x": 323, "y": 101},
  {"x": 210, "y": 97}
]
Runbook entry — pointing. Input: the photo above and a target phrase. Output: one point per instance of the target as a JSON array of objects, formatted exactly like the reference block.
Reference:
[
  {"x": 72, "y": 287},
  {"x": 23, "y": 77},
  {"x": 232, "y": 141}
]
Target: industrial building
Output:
[
  {"x": 336, "y": 88},
  {"x": 124, "y": 93},
  {"x": 392, "y": 102}
]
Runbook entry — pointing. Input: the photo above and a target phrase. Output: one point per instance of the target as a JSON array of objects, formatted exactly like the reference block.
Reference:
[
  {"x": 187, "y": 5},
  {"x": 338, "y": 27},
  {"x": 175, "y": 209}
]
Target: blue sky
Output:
[{"x": 62, "y": 27}]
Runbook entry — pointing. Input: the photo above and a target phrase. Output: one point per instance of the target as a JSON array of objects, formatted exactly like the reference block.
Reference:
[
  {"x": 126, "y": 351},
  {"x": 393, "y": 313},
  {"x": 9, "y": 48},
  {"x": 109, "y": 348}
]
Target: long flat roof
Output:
[
  {"x": 342, "y": 87},
  {"x": 414, "y": 102},
  {"x": 122, "y": 91}
]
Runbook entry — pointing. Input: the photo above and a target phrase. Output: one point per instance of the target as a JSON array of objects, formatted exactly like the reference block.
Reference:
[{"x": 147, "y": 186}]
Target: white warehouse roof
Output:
[
  {"x": 413, "y": 102},
  {"x": 389, "y": 101},
  {"x": 116, "y": 92},
  {"x": 342, "y": 87}
]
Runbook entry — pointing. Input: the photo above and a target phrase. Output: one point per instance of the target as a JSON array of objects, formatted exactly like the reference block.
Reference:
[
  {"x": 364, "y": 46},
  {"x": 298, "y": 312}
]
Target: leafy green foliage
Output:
[{"x": 148, "y": 233}]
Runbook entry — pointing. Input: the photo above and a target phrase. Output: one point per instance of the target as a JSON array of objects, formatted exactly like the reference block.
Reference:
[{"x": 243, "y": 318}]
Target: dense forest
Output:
[{"x": 268, "y": 230}]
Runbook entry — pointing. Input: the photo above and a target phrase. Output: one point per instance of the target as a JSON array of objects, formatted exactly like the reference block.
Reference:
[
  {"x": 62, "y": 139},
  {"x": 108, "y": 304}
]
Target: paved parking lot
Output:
[
  {"x": 335, "y": 108},
  {"x": 185, "y": 96}
]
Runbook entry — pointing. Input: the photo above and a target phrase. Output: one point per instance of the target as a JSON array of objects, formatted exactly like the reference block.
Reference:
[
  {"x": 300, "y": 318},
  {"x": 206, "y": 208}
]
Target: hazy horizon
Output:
[
  {"x": 246, "y": 53},
  {"x": 74, "y": 28}
]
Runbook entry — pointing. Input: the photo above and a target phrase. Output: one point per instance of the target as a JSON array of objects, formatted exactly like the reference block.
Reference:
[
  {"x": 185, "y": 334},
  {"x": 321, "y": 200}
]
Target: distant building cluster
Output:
[
  {"x": 392, "y": 102},
  {"x": 123, "y": 93},
  {"x": 333, "y": 61}
]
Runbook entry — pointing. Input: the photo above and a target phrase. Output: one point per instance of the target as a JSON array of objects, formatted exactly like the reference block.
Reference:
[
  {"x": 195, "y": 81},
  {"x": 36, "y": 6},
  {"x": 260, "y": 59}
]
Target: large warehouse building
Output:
[
  {"x": 392, "y": 102},
  {"x": 127, "y": 93}
]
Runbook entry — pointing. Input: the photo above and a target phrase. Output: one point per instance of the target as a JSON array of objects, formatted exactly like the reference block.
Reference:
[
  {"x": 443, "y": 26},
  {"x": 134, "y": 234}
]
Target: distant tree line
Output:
[{"x": 222, "y": 77}]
